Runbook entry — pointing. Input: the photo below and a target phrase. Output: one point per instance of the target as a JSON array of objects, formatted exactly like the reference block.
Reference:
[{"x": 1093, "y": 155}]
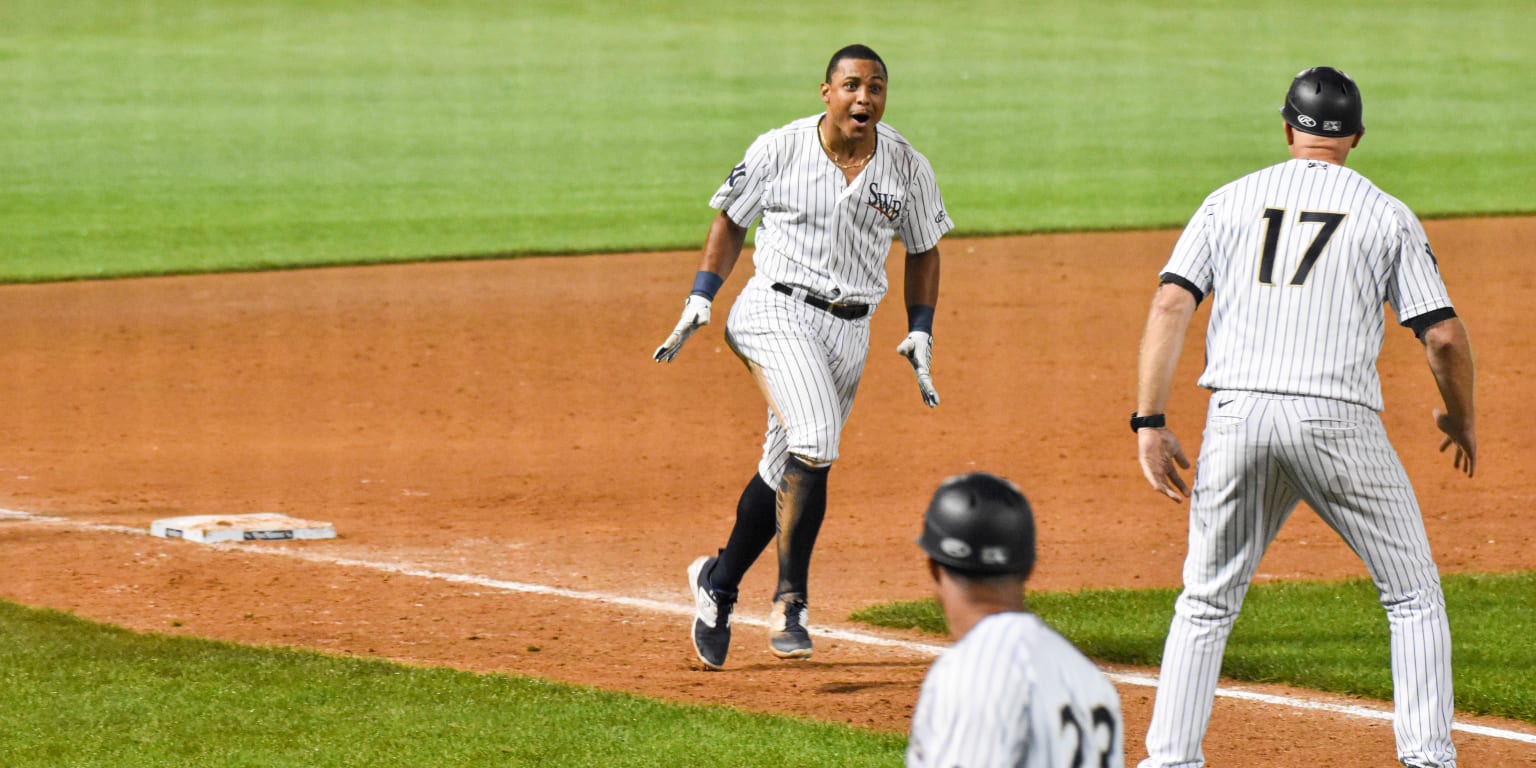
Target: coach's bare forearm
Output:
[
  {"x": 1449, "y": 351},
  {"x": 1172, "y": 309},
  {"x": 722, "y": 246},
  {"x": 922, "y": 278}
]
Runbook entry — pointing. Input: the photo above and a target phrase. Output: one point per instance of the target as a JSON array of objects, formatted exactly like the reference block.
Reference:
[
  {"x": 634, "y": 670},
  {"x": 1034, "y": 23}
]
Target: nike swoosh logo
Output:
[{"x": 1223, "y": 403}]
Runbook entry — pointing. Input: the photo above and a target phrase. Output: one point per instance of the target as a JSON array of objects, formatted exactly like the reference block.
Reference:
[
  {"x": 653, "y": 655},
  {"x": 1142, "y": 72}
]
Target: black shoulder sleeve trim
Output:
[
  {"x": 1169, "y": 277},
  {"x": 1423, "y": 322}
]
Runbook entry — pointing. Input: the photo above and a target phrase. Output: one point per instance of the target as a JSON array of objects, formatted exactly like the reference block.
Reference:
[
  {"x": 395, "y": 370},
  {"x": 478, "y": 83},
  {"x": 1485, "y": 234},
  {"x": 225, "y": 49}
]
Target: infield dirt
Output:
[{"x": 504, "y": 419}]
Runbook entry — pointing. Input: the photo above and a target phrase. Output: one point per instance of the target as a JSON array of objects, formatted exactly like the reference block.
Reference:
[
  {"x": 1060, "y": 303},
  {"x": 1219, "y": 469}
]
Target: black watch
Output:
[{"x": 1155, "y": 421}]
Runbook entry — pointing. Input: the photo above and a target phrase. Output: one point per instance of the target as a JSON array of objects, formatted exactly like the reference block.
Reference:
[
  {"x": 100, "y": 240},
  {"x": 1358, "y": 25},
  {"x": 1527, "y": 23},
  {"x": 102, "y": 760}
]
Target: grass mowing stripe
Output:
[
  {"x": 228, "y": 135},
  {"x": 1328, "y": 636},
  {"x": 82, "y": 694}
]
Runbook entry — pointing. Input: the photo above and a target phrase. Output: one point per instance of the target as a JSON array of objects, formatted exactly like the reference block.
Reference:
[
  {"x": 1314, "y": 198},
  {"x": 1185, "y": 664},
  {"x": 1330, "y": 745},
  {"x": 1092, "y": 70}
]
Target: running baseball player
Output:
[
  {"x": 1298, "y": 260},
  {"x": 1011, "y": 691},
  {"x": 832, "y": 190}
]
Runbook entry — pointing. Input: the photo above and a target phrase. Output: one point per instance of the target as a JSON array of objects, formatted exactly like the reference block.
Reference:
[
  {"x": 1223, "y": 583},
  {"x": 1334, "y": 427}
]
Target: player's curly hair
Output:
[{"x": 855, "y": 51}]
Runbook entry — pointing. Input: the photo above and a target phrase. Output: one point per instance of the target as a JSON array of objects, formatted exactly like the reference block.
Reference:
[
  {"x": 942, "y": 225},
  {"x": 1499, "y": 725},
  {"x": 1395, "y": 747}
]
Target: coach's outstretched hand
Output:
[
  {"x": 917, "y": 348},
  {"x": 695, "y": 316}
]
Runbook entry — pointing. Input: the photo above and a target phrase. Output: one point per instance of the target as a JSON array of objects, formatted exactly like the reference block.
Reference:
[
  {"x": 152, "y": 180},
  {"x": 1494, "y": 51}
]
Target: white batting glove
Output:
[
  {"x": 917, "y": 348},
  {"x": 695, "y": 316}
]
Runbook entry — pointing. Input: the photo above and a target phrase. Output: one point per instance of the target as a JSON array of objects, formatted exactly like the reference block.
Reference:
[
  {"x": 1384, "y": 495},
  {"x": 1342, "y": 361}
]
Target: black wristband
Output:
[{"x": 1154, "y": 421}]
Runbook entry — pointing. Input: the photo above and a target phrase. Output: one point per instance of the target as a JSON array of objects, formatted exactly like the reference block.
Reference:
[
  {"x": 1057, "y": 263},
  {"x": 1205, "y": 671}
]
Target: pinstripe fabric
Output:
[
  {"x": 822, "y": 233},
  {"x": 808, "y": 363},
  {"x": 1322, "y": 337},
  {"x": 1260, "y": 455},
  {"x": 1013, "y": 692},
  {"x": 1291, "y": 359},
  {"x": 830, "y": 238}
]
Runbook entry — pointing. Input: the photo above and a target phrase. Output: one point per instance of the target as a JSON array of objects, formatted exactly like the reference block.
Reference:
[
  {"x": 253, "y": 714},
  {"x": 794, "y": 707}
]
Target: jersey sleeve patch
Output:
[
  {"x": 740, "y": 196},
  {"x": 736, "y": 173}
]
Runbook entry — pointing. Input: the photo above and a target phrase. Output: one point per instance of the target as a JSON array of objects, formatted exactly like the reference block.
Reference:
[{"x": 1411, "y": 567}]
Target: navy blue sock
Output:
[{"x": 754, "y": 528}]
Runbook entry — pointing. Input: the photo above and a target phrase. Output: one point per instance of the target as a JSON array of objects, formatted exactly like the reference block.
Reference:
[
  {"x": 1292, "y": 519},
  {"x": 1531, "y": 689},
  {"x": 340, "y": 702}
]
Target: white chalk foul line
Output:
[{"x": 677, "y": 609}]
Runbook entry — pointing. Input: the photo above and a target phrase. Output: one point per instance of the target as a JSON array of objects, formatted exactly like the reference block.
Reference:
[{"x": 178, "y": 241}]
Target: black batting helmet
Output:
[
  {"x": 982, "y": 524},
  {"x": 1323, "y": 101}
]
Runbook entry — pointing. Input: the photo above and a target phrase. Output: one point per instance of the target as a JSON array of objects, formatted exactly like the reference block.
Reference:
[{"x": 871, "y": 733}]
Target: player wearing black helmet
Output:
[
  {"x": 1011, "y": 692},
  {"x": 1299, "y": 261},
  {"x": 1323, "y": 101}
]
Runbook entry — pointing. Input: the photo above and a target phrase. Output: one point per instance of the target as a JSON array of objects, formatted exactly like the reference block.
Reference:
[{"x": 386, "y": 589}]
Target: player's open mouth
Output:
[{"x": 861, "y": 119}]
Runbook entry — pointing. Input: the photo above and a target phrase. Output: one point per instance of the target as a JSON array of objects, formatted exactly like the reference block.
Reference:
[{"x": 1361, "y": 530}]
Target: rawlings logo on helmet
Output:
[
  {"x": 1306, "y": 120},
  {"x": 980, "y": 523},
  {"x": 955, "y": 548}
]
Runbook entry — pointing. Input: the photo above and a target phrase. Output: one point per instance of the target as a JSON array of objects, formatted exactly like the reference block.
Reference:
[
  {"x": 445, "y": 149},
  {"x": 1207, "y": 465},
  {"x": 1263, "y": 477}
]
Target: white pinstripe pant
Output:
[
  {"x": 808, "y": 364},
  {"x": 1260, "y": 455}
]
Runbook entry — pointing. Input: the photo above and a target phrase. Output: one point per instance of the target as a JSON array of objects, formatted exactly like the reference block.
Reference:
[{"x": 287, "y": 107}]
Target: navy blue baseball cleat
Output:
[{"x": 711, "y": 615}]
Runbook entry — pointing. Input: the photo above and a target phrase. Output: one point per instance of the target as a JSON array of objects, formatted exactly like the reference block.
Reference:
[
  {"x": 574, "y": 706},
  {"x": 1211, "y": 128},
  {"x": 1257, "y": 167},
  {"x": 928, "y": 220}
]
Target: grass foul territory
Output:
[
  {"x": 1328, "y": 636},
  {"x": 84, "y": 695},
  {"x": 170, "y": 135}
]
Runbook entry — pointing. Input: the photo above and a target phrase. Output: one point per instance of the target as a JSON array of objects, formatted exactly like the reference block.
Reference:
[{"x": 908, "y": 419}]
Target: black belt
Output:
[{"x": 844, "y": 311}]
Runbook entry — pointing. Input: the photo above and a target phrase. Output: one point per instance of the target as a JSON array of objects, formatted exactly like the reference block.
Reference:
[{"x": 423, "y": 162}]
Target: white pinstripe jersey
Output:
[
  {"x": 1299, "y": 259},
  {"x": 820, "y": 232},
  {"x": 1013, "y": 692}
]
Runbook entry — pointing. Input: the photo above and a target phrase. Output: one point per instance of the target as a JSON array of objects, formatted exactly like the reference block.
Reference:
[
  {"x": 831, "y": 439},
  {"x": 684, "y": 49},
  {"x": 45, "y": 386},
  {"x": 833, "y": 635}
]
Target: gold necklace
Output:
[{"x": 833, "y": 157}]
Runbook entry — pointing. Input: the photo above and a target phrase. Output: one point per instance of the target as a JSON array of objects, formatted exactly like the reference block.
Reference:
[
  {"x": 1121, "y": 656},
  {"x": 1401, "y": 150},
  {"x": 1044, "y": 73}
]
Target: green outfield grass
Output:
[
  {"x": 82, "y": 694},
  {"x": 78, "y": 694},
  {"x": 172, "y": 135},
  {"x": 1319, "y": 635},
  {"x": 159, "y": 136}
]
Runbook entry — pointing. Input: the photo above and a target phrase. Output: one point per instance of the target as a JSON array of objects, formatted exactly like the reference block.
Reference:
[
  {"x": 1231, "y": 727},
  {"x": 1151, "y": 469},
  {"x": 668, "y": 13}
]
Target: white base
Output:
[{"x": 261, "y": 526}]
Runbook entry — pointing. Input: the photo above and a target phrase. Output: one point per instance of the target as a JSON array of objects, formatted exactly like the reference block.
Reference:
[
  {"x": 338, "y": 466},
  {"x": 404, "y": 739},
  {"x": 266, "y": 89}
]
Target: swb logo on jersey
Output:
[{"x": 888, "y": 204}]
